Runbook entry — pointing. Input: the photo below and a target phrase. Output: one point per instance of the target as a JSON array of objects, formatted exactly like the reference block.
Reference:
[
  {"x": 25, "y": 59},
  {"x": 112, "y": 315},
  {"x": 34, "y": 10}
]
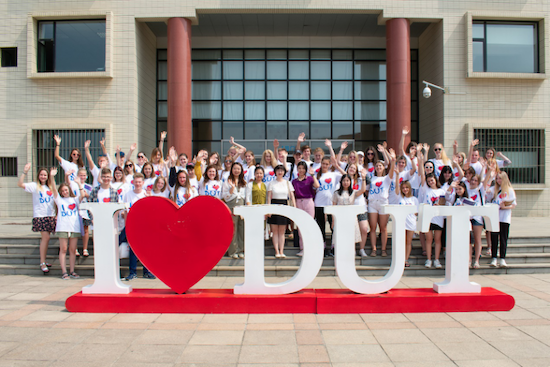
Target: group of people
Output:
[{"x": 311, "y": 181}]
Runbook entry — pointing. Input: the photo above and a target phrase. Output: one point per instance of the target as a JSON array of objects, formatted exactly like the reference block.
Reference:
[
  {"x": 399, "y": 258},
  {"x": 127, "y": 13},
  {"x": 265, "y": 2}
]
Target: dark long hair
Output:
[
  {"x": 239, "y": 181},
  {"x": 442, "y": 177},
  {"x": 350, "y": 188}
]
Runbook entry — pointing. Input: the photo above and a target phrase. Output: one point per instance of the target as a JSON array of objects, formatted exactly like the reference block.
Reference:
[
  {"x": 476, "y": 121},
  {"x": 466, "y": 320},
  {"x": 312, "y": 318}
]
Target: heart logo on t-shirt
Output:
[
  {"x": 356, "y": 186},
  {"x": 440, "y": 168},
  {"x": 474, "y": 197},
  {"x": 72, "y": 206},
  {"x": 119, "y": 191},
  {"x": 502, "y": 196},
  {"x": 433, "y": 199},
  {"x": 132, "y": 182},
  {"x": 371, "y": 169},
  {"x": 272, "y": 173},
  {"x": 106, "y": 200},
  {"x": 400, "y": 179},
  {"x": 378, "y": 184},
  {"x": 328, "y": 180},
  {"x": 245, "y": 172},
  {"x": 150, "y": 187},
  {"x": 215, "y": 187},
  {"x": 186, "y": 195},
  {"x": 49, "y": 193},
  {"x": 317, "y": 170},
  {"x": 157, "y": 173},
  {"x": 456, "y": 174}
]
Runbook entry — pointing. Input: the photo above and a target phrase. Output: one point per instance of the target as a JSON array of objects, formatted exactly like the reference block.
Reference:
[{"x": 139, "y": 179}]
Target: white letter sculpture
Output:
[
  {"x": 345, "y": 218},
  {"x": 458, "y": 242},
  {"x": 254, "y": 278},
  {"x": 106, "y": 259}
]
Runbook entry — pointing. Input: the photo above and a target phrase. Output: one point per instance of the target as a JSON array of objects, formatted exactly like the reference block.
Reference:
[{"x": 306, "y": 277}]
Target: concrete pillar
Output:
[
  {"x": 398, "y": 80},
  {"x": 179, "y": 85}
]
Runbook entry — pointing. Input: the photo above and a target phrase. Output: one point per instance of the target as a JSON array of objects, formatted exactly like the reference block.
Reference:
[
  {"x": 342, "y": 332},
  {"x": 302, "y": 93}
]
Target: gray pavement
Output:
[{"x": 36, "y": 330}]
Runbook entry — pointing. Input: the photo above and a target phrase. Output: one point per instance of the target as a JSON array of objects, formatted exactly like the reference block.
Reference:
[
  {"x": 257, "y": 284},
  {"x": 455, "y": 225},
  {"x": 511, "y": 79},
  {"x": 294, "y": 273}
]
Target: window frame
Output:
[
  {"x": 507, "y": 18},
  {"x": 32, "y": 44}
]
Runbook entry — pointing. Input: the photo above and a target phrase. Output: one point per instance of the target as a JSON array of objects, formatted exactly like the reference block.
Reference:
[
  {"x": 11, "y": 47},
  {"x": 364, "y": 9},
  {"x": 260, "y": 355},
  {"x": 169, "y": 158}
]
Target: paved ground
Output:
[{"x": 36, "y": 330}]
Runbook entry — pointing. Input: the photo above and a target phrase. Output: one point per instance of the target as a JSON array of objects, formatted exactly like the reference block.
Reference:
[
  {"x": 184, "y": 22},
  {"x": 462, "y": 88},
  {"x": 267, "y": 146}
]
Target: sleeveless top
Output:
[{"x": 259, "y": 194}]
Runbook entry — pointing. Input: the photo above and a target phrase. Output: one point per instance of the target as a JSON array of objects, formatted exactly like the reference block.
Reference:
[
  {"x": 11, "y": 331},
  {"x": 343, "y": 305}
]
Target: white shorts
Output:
[{"x": 375, "y": 206}]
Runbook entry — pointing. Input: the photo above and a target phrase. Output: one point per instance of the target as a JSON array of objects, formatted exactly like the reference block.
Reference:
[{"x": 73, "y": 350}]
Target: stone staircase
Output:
[{"x": 526, "y": 255}]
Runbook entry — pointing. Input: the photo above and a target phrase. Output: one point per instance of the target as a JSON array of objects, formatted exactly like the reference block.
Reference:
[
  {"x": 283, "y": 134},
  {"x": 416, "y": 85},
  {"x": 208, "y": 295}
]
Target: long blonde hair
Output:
[
  {"x": 273, "y": 159},
  {"x": 444, "y": 157},
  {"x": 506, "y": 186}
]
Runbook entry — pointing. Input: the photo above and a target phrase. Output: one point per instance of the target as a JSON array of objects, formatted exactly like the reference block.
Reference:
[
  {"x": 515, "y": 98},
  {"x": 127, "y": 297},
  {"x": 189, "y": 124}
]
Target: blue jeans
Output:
[{"x": 133, "y": 258}]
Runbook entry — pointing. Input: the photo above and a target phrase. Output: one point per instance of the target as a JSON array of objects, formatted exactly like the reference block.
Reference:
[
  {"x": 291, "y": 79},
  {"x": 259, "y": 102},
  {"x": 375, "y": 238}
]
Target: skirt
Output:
[
  {"x": 44, "y": 224},
  {"x": 278, "y": 219}
]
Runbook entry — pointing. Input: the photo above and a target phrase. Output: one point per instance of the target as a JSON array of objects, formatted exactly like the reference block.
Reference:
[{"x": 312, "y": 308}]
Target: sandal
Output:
[
  {"x": 85, "y": 253},
  {"x": 384, "y": 253},
  {"x": 373, "y": 253},
  {"x": 407, "y": 265},
  {"x": 74, "y": 275},
  {"x": 77, "y": 253},
  {"x": 65, "y": 276},
  {"x": 424, "y": 253},
  {"x": 44, "y": 268}
]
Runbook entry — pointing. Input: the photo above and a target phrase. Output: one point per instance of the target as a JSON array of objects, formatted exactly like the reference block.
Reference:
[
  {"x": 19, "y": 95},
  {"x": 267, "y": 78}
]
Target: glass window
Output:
[
  {"x": 276, "y": 111},
  {"x": 298, "y": 54},
  {"x": 276, "y": 54},
  {"x": 254, "y": 90},
  {"x": 320, "y": 110},
  {"x": 342, "y": 110},
  {"x": 370, "y": 110},
  {"x": 205, "y": 70},
  {"x": 233, "y": 90},
  {"x": 295, "y": 128},
  {"x": 162, "y": 70},
  {"x": 342, "y": 90},
  {"x": 320, "y": 130},
  {"x": 203, "y": 90},
  {"x": 370, "y": 90},
  {"x": 163, "y": 55},
  {"x": 206, "y": 54},
  {"x": 298, "y": 70},
  {"x": 71, "y": 46},
  {"x": 372, "y": 70},
  {"x": 207, "y": 130},
  {"x": 207, "y": 110},
  {"x": 9, "y": 57},
  {"x": 254, "y": 130},
  {"x": 233, "y": 129},
  {"x": 162, "y": 109},
  {"x": 505, "y": 47},
  {"x": 230, "y": 54},
  {"x": 320, "y": 90},
  {"x": 320, "y": 54},
  {"x": 342, "y": 130},
  {"x": 254, "y": 70},
  {"x": 232, "y": 111},
  {"x": 342, "y": 70},
  {"x": 298, "y": 110},
  {"x": 370, "y": 54},
  {"x": 254, "y": 54},
  {"x": 232, "y": 70},
  {"x": 298, "y": 90},
  {"x": 276, "y": 90},
  {"x": 276, "y": 130},
  {"x": 342, "y": 54},
  {"x": 276, "y": 70},
  {"x": 320, "y": 70},
  {"x": 254, "y": 110},
  {"x": 163, "y": 91}
]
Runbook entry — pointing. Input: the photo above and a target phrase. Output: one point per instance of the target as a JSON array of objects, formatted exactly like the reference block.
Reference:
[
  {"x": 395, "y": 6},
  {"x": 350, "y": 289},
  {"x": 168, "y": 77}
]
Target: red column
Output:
[
  {"x": 179, "y": 84},
  {"x": 398, "y": 80}
]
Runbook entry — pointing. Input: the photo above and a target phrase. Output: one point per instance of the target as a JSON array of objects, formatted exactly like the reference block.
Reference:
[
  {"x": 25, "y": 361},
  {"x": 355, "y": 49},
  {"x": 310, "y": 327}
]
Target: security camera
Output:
[{"x": 427, "y": 92}]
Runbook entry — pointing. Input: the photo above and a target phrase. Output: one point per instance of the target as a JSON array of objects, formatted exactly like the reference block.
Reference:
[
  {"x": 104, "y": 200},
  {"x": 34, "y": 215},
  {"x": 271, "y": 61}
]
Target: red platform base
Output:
[{"x": 305, "y": 301}]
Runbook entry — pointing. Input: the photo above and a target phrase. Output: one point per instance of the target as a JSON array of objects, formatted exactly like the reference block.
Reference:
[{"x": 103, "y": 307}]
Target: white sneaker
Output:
[
  {"x": 502, "y": 263},
  {"x": 241, "y": 256},
  {"x": 301, "y": 253},
  {"x": 437, "y": 264},
  {"x": 235, "y": 256},
  {"x": 428, "y": 264},
  {"x": 493, "y": 263},
  {"x": 362, "y": 253}
]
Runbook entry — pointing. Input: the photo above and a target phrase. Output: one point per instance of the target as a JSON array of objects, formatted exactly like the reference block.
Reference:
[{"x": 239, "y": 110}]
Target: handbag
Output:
[{"x": 124, "y": 250}]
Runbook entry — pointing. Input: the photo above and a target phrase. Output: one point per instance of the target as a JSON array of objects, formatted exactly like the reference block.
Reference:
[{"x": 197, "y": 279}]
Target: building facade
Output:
[{"x": 256, "y": 71}]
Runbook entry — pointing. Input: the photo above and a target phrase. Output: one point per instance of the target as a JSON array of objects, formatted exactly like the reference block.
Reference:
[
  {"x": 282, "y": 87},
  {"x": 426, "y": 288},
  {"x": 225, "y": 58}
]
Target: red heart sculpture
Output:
[
  {"x": 106, "y": 200},
  {"x": 178, "y": 245},
  {"x": 72, "y": 206},
  {"x": 327, "y": 180},
  {"x": 378, "y": 184}
]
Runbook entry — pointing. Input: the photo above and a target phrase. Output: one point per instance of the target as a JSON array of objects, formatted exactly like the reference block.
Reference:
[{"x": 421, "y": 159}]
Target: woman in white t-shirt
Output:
[
  {"x": 182, "y": 191},
  {"x": 150, "y": 177},
  {"x": 43, "y": 209},
  {"x": 328, "y": 181},
  {"x": 224, "y": 173},
  {"x": 234, "y": 192},
  {"x": 405, "y": 194},
  {"x": 279, "y": 191},
  {"x": 210, "y": 184},
  {"x": 68, "y": 226},
  {"x": 378, "y": 196},
  {"x": 269, "y": 160},
  {"x": 440, "y": 159},
  {"x": 160, "y": 188},
  {"x": 504, "y": 196},
  {"x": 75, "y": 161}
]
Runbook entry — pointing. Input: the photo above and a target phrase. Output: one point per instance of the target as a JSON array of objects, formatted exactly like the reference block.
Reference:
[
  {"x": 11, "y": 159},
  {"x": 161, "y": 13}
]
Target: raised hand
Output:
[
  {"x": 232, "y": 140},
  {"x": 392, "y": 154},
  {"x": 475, "y": 142},
  {"x": 426, "y": 147},
  {"x": 302, "y": 137},
  {"x": 364, "y": 173},
  {"x": 385, "y": 144},
  {"x": 87, "y": 144},
  {"x": 102, "y": 142},
  {"x": 163, "y": 135},
  {"x": 69, "y": 172},
  {"x": 455, "y": 144},
  {"x": 57, "y": 139},
  {"x": 53, "y": 172},
  {"x": 380, "y": 148},
  {"x": 344, "y": 145},
  {"x": 311, "y": 171},
  {"x": 275, "y": 143},
  {"x": 133, "y": 147},
  {"x": 27, "y": 168},
  {"x": 328, "y": 143},
  {"x": 405, "y": 131}
]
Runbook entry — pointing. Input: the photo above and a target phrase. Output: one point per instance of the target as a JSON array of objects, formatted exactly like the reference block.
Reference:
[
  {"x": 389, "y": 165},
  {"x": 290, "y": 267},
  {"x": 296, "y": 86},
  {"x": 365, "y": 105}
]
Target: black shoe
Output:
[{"x": 149, "y": 276}]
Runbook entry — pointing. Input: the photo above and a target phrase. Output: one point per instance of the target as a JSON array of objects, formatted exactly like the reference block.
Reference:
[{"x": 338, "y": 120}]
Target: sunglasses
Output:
[
  {"x": 228, "y": 161},
  {"x": 129, "y": 165},
  {"x": 140, "y": 156},
  {"x": 369, "y": 153},
  {"x": 437, "y": 149}
]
